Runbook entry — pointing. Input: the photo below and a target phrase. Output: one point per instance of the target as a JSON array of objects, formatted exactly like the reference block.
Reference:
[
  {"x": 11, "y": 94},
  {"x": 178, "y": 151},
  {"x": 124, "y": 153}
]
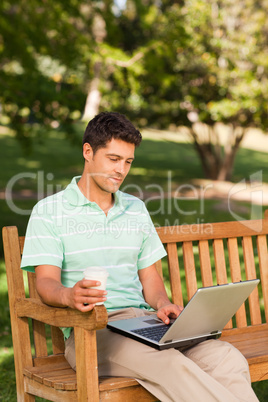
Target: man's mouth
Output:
[{"x": 116, "y": 179}]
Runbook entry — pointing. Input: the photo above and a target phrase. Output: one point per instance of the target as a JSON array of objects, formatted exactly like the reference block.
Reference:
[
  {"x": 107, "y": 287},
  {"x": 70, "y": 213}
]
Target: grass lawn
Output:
[{"x": 158, "y": 166}]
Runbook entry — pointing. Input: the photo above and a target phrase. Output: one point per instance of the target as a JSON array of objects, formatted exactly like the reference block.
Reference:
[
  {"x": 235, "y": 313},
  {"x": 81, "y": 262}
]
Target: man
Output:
[{"x": 92, "y": 223}]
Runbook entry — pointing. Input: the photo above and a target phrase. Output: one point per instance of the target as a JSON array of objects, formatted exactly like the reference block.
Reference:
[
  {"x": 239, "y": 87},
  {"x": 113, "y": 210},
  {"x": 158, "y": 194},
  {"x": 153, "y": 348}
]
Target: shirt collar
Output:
[{"x": 75, "y": 197}]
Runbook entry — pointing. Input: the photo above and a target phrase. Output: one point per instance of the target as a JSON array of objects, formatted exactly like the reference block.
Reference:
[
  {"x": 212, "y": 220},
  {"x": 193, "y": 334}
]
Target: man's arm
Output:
[
  {"x": 53, "y": 293},
  {"x": 155, "y": 294}
]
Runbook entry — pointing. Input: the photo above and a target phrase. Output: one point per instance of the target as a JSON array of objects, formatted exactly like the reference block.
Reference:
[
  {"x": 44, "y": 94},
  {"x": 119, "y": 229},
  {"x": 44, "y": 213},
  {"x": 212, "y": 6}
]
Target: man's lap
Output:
[{"x": 116, "y": 349}]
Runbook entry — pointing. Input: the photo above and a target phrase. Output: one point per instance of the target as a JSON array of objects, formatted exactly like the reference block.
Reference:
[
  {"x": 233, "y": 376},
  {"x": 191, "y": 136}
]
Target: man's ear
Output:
[{"x": 87, "y": 151}]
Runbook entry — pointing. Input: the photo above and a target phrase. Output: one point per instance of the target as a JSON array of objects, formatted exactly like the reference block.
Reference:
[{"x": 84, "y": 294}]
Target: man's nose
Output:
[{"x": 121, "y": 168}]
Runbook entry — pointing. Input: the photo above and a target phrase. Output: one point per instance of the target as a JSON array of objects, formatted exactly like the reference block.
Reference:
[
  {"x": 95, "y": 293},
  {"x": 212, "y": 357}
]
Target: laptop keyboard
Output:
[{"x": 153, "y": 333}]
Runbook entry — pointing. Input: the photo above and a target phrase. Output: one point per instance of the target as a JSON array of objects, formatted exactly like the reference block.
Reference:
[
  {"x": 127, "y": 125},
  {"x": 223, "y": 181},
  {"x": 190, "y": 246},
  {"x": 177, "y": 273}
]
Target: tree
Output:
[
  {"x": 230, "y": 44},
  {"x": 209, "y": 66}
]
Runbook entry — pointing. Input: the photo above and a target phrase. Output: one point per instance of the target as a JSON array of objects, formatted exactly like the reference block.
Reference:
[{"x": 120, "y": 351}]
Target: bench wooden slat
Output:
[
  {"x": 220, "y": 264},
  {"x": 263, "y": 264},
  {"x": 174, "y": 274},
  {"x": 61, "y": 380},
  {"x": 205, "y": 264},
  {"x": 39, "y": 329},
  {"x": 254, "y": 305},
  {"x": 220, "y": 267},
  {"x": 241, "y": 319},
  {"x": 234, "y": 259},
  {"x": 58, "y": 345},
  {"x": 189, "y": 268},
  {"x": 48, "y": 360},
  {"x": 55, "y": 378},
  {"x": 58, "y": 376},
  {"x": 108, "y": 383},
  {"x": 64, "y": 380},
  {"x": 211, "y": 231},
  {"x": 251, "y": 341}
]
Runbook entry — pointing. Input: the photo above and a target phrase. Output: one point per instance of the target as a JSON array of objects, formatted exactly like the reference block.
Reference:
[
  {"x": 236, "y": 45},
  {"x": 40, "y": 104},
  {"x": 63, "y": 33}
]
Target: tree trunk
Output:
[
  {"x": 230, "y": 150},
  {"x": 209, "y": 162},
  {"x": 217, "y": 164},
  {"x": 94, "y": 96}
]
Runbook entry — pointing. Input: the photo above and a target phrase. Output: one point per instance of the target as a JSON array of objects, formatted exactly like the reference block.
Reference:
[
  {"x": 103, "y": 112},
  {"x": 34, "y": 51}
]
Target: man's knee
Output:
[{"x": 213, "y": 353}]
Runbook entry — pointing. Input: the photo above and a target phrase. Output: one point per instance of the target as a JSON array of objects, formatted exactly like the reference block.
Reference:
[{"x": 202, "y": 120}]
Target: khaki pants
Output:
[{"x": 211, "y": 371}]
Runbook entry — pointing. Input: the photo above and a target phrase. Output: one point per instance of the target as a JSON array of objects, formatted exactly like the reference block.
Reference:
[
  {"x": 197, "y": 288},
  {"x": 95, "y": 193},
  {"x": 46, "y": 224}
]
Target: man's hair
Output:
[{"x": 107, "y": 125}]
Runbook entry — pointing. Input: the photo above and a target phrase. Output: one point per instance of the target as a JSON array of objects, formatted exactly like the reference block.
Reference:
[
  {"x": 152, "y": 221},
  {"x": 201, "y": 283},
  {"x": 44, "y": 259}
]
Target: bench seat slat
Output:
[
  {"x": 251, "y": 341},
  {"x": 61, "y": 376},
  {"x": 51, "y": 375}
]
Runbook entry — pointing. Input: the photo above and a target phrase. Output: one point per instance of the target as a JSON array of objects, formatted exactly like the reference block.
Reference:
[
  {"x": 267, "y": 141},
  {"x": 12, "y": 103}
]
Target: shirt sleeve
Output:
[
  {"x": 152, "y": 248},
  {"x": 42, "y": 244}
]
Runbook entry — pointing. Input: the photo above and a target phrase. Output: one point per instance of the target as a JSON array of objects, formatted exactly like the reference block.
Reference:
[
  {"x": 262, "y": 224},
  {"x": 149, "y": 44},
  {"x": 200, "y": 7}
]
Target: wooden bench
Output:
[{"x": 238, "y": 251}]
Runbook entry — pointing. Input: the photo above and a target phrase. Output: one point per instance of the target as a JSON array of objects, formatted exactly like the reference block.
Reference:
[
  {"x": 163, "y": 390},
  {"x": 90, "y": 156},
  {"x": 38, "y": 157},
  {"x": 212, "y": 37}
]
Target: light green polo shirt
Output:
[{"x": 72, "y": 233}]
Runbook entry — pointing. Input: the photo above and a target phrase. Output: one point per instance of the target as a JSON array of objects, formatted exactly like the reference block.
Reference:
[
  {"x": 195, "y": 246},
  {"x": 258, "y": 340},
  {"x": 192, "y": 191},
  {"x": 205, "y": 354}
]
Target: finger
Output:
[
  {"x": 88, "y": 283},
  {"x": 163, "y": 316},
  {"x": 92, "y": 300},
  {"x": 174, "y": 309},
  {"x": 89, "y": 292},
  {"x": 85, "y": 307}
]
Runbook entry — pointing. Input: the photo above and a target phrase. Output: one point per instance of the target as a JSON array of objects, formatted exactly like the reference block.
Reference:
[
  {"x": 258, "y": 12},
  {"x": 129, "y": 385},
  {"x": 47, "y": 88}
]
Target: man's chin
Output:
[
  {"x": 115, "y": 185},
  {"x": 112, "y": 188}
]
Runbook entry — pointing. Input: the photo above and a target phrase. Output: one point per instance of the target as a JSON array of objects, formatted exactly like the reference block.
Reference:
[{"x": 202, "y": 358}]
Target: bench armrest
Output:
[{"x": 61, "y": 317}]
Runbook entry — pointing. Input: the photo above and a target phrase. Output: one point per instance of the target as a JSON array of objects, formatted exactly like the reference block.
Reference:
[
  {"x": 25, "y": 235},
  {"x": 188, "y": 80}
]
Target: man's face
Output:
[{"x": 108, "y": 167}]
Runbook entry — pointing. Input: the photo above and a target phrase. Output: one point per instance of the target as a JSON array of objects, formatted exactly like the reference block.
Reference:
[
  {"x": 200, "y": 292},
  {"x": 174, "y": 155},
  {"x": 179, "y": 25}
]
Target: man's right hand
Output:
[
  {"x": 51, "y": 291},
  {"x": 82, "y": 297}
]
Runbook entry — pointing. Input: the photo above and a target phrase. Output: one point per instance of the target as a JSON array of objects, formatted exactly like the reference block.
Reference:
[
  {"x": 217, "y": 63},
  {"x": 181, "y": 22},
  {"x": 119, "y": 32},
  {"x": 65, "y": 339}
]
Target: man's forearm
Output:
[
  {"x": 52, "y": 292},
  {"x": 162, "y": 300},
  {"x": 153, "y": 288},
  {"x": 82, "y": 296}
]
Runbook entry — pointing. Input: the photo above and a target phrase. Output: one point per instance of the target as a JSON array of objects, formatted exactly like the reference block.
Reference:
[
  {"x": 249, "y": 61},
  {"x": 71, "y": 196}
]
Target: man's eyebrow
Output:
[{"x": 119, "y": 156}]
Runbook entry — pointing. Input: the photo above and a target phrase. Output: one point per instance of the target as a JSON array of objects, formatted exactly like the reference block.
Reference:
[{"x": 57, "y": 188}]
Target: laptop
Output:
[{"x": 203, "y": 318}]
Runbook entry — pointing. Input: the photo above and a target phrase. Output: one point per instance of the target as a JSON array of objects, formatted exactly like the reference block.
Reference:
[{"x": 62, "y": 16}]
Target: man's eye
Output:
[{"x": 112, "y": 159}]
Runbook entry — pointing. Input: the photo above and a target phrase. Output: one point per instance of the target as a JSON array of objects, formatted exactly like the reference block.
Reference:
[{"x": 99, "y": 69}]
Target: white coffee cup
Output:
[{"x": 97, "y": 274}]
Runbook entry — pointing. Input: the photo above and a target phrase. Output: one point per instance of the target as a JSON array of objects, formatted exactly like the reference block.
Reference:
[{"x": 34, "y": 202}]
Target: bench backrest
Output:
[{"x": 218, "y": 253}]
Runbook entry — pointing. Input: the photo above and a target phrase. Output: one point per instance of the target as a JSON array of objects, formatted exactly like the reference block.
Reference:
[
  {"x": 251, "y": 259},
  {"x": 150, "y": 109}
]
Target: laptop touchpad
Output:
[{"x": 153, "y": 322}]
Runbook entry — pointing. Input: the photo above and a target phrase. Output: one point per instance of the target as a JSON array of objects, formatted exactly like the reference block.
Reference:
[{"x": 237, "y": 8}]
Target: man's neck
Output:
[{"x": 103, "y": 199}]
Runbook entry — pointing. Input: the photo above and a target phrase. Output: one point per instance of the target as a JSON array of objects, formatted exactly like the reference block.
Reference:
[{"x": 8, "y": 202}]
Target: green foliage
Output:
[
  {"x": 42, "y": 76},
  {"x": 207, "y": 61}
]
